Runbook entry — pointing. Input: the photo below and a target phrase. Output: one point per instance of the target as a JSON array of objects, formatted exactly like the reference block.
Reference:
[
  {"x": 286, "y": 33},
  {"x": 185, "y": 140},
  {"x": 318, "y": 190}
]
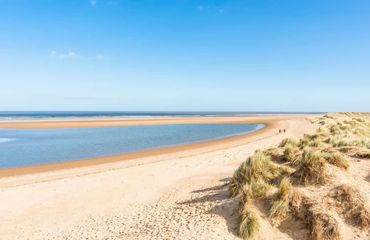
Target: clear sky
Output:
[{"x": 247, "y": 55}]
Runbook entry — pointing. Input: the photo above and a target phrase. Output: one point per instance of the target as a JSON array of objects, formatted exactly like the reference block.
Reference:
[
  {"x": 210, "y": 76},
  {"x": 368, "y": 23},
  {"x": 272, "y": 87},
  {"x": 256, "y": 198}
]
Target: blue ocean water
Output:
[
  {"x": 34, "y": 147},
  {"x": 78, "y": 114}
]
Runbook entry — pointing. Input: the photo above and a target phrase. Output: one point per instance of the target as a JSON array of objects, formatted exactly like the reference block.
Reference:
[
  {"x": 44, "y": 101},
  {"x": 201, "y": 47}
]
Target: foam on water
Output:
[{"x": 4, "y": 140}]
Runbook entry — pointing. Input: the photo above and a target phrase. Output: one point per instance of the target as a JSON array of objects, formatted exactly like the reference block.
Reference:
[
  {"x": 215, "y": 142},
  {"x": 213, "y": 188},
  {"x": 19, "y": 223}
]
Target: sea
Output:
[
  {"x": 96, "y": 114},
  {"x": 19, "y": 148}
]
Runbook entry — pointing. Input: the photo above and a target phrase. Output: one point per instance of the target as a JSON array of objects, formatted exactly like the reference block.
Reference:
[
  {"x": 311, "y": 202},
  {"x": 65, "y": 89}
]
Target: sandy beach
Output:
[
  {"x": 184, "y": 120},
  {"x": 170, "y": 193}
]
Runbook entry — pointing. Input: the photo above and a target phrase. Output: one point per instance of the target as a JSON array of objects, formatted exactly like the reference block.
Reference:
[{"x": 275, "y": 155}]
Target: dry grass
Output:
[
  {"x": 336, "y": 159},
  {"x": 347, "y": 130},
  {"x": 256, "y": 169},
  {"x": 276, "y": 154},
  {"x": 348, "y": 150},
  {"x": 349, "y": 143},
  {"x": 311, "y": 169},
  {"x": 254, "y": 190},
  {"x": 299, "y": 204},
  {"x": 292, "y": 154},
  {"x": 249, "y": 225},
  {"x": 285, "y": 189},
  {"x": 322, "y": 225},
  {"x": 363, "y": 154},
  {"x": 238, "y": 180},
  {"x": 289, "y": 141},
  {"x": 315, "y": 143},
  {"x": 314, "y": 140},
  {"x": 350, "y": 203},
  {"x": 339, "y": 137},
  {"x": 280, "y": 208}
]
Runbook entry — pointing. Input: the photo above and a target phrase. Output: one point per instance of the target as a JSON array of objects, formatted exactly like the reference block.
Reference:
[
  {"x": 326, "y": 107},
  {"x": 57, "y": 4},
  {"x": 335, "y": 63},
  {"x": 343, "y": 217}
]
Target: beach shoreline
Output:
[
  {"x": 269, "y": 123},
  {"x": 60, "y": 123},
  {"x": 180, "y": 194}
]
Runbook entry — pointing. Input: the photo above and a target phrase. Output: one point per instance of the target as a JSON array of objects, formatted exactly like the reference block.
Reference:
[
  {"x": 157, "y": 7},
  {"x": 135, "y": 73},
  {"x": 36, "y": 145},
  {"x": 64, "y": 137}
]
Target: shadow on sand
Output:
[{"x": 220, "y": 203}]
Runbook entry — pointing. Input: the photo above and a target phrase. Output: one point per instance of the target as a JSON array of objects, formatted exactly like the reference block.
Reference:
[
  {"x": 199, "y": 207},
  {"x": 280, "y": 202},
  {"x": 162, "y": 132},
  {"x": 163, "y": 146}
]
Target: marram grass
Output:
[
  {"x": 340, "y": 137},
  {"x": 288, "y": 141},
  {"x": 285, "y": 189},
  {"x": 311, "y": 169},
  {"x": 256, "y": 169},
  {"x": 254, "y": 190},
  {"x": 336, "y": 159},
  {"x": 279, "y": 209},
  {"x": 249, "y": 225}
]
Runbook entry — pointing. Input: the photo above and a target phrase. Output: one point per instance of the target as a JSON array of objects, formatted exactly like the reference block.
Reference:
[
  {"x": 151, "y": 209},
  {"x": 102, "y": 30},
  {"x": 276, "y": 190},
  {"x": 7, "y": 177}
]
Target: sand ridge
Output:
[{"x": 116, "y": 122}]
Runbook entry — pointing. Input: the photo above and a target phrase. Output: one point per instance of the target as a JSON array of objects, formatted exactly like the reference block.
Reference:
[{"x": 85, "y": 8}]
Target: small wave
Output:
[{"x": 4, "y": 140}]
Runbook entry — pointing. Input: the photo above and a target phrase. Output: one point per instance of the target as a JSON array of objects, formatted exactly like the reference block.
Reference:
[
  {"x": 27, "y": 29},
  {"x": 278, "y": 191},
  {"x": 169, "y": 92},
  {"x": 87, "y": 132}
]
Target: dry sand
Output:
[{"x": 175, "y": 193}]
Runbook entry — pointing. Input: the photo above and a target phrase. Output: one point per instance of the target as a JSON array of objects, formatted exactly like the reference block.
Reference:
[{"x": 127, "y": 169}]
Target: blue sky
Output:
[{"x": 165, "y": 55}]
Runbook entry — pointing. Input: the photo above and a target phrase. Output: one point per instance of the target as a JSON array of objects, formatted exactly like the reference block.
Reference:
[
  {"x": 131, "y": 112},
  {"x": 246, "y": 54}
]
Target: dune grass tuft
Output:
[
  {"x": 350, "y": 203},
  {"x": 239, "y": 179},
  {"x": 315, "y": 143},
  {"x": 276, "y": 154},
  {"x": 323, "y": 225},
  {"x": 249, "y": 225},
  {"x": 348, "y": 150},
  {"x": 279, "y": 210},
  {"x": 336, "y": 159},
  {"x": 303, "y": 143},
  {"x": 285, "y": 189},
  {"x": 254, "y": 190},
  {"x": 257, "y": 168},
  {"x": 344, "y": 142},
  {"x": 363, "y": 154},
  {"x": 311, "y": 169},
  {"x": 288, "y": 141},
  {"x": 292, "y": 154}
]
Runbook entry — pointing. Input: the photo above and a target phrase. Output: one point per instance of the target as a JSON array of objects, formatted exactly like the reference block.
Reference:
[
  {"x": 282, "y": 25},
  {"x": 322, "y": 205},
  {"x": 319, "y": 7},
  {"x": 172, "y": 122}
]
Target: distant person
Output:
[
  {"x": 279, "y": 130},
  {"x": 284, "y": 130}
]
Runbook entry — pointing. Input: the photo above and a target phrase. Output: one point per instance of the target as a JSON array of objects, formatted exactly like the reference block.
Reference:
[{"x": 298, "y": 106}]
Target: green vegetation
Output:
[
  {"x": 272, "y": 175},
  {"x": 288, "y": 142},
  {"x": 280, "y": 208},
  {"x": 292, "y": 154},
  {"x": 311, "y": 169},
  {"x": 255, "y": 190},
  {"x": 337, "y": 159},
  {"x": 249, "y": 225},
  {"x": 257, "y": 169},
  {"x": 285, "y": 189}
]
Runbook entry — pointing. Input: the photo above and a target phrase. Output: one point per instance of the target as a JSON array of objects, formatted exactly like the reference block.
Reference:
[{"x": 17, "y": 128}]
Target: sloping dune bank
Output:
[
  {"x": 316, "y": 187},
  {"x": 174, "y": 193}
]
